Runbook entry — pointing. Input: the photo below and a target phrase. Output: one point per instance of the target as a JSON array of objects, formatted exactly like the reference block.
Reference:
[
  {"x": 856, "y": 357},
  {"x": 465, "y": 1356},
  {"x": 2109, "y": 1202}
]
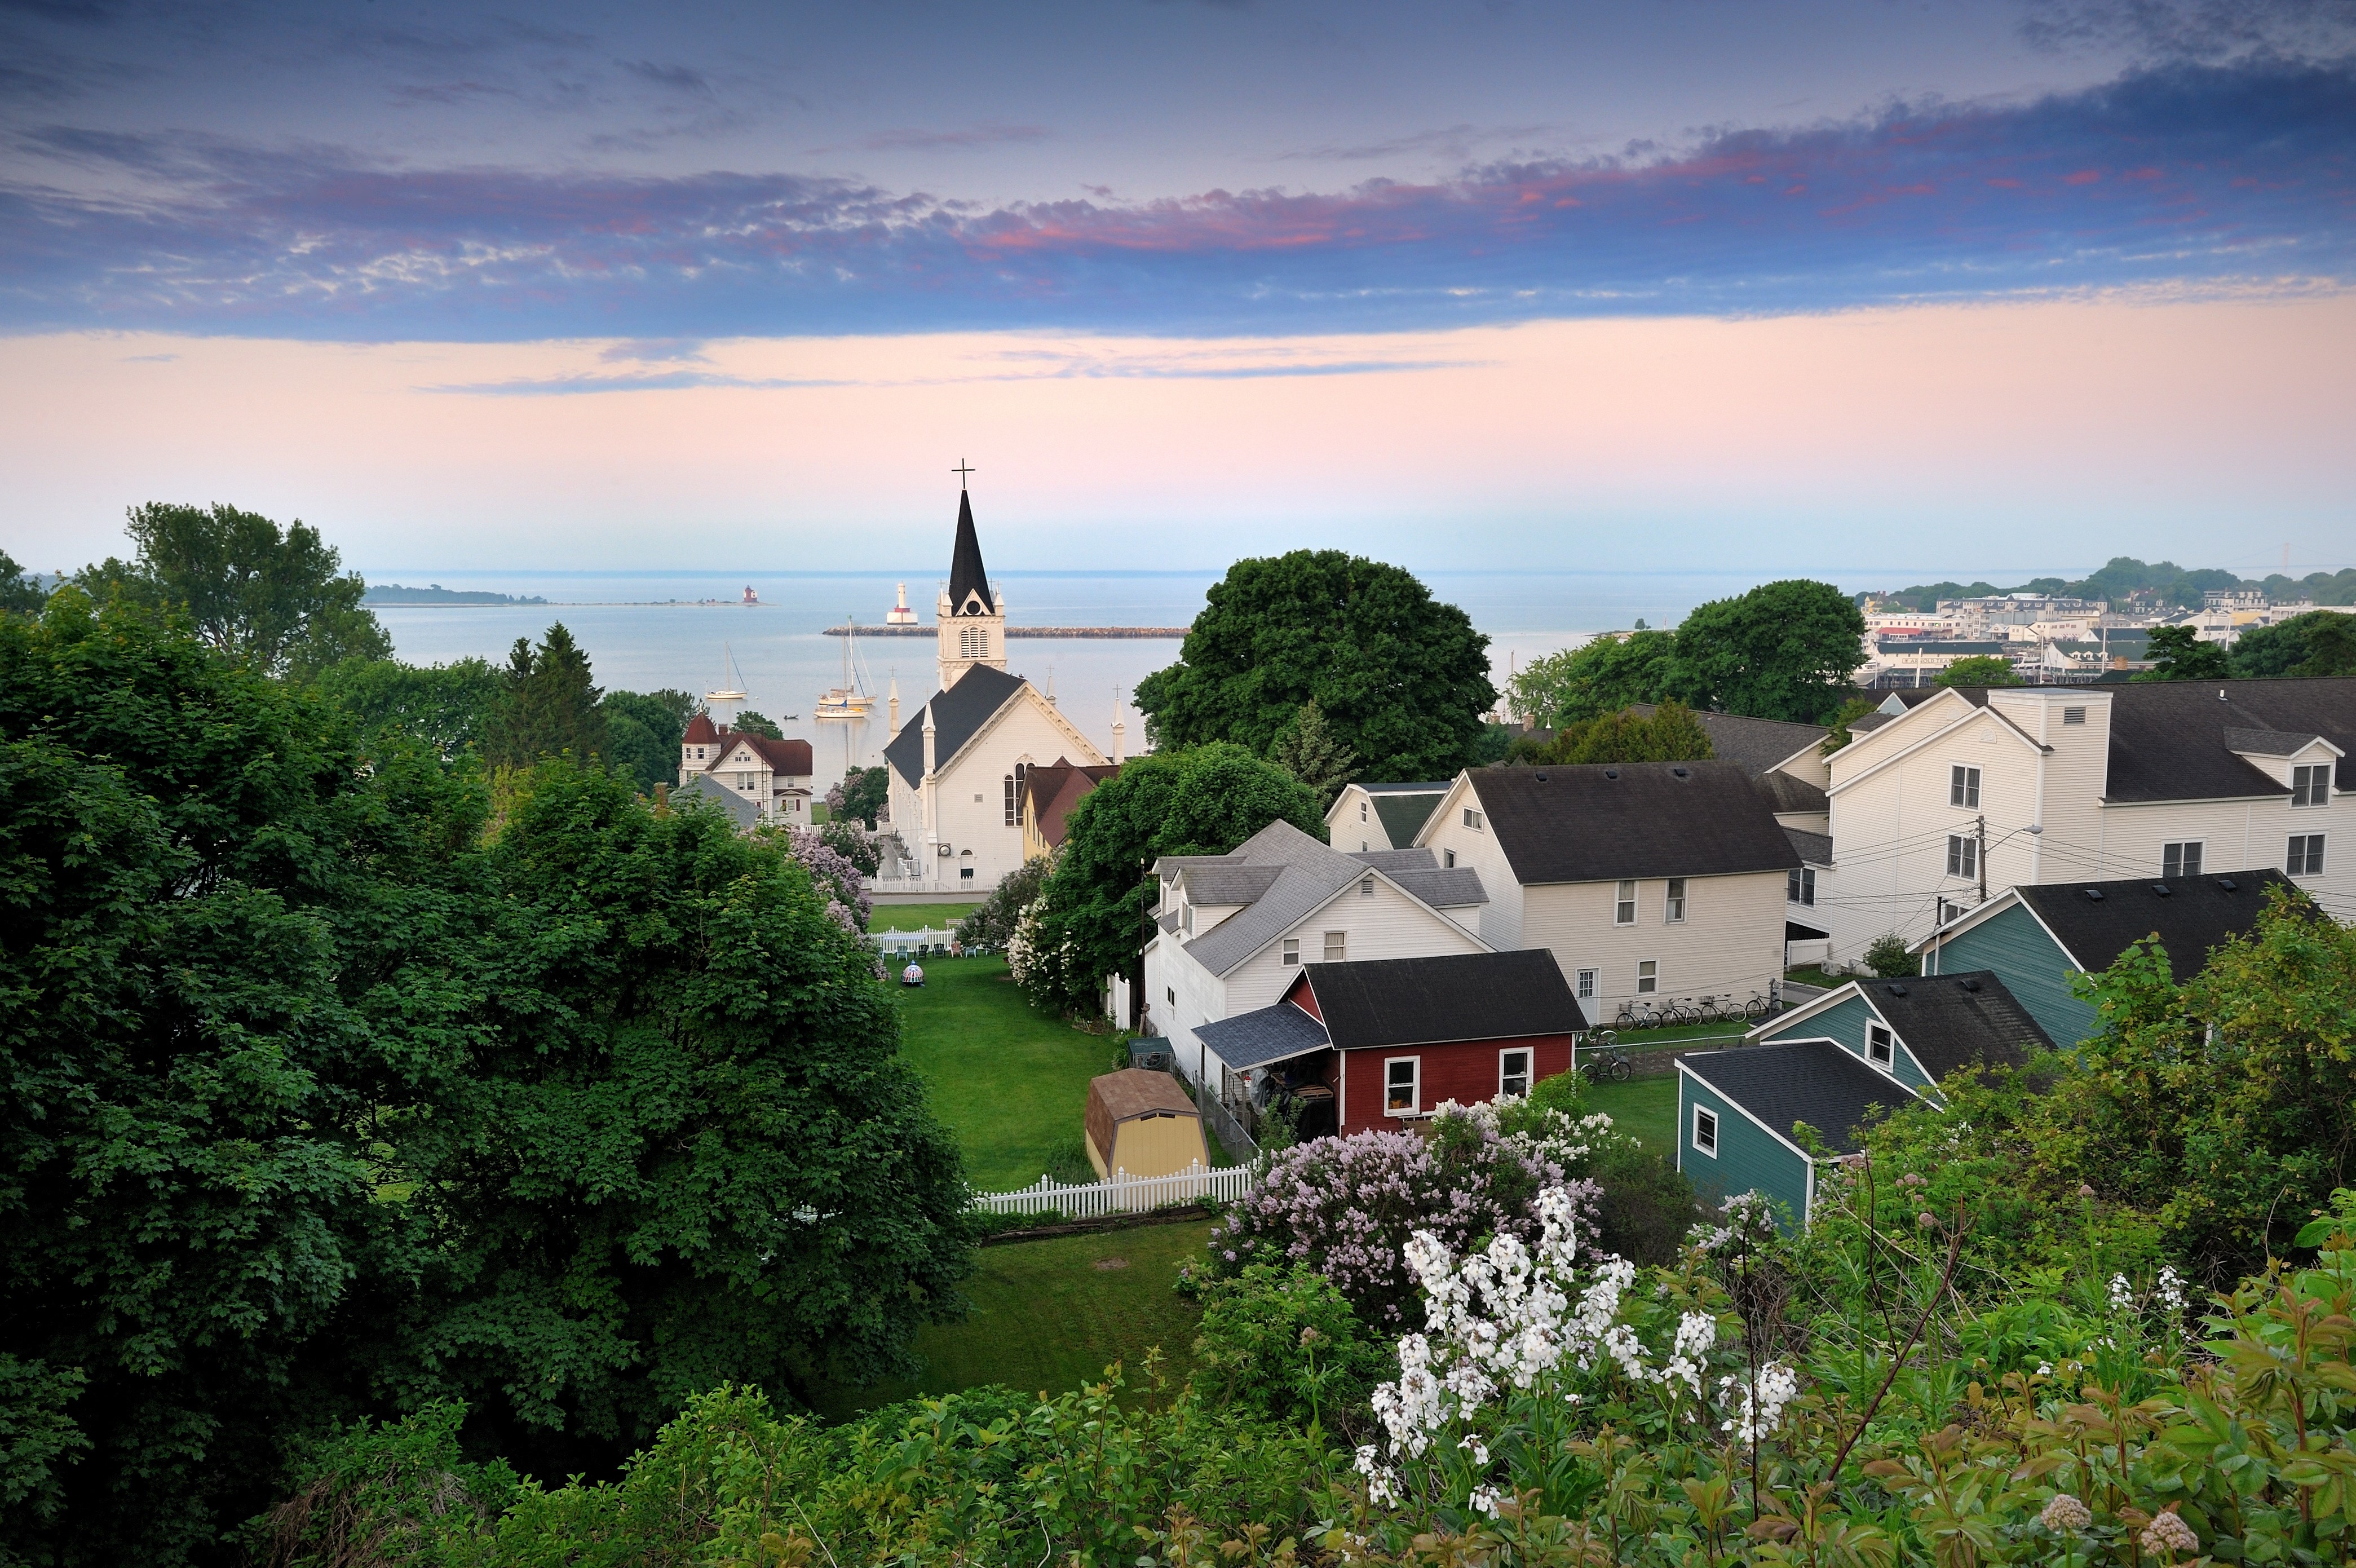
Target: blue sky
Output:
[{"x": 706, "y": 200}]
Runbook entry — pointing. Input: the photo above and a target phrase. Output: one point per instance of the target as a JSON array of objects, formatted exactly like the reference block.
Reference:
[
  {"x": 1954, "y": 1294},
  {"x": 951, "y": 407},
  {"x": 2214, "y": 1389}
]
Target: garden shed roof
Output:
[{"x": 1814, "y": 1082}]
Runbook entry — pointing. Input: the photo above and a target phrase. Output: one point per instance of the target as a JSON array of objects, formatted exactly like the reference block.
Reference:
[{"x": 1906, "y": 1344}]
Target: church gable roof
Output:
[
  {"x": 967, "y": 581},
  {"x": 959, "y": 714}
]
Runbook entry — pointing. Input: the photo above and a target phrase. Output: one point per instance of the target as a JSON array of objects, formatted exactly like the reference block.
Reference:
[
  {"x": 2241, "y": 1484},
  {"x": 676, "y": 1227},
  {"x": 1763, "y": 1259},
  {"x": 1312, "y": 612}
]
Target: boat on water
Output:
[
  {"x": 732, "y": 681},
  {"x": 850, "y": 700}
]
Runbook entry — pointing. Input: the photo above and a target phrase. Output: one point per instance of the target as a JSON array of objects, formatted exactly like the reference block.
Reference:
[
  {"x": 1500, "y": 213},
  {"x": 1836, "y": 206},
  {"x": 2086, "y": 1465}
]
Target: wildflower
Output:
[
  {"x": 1382, "y": 1487},
  {"x": 1925, "y": 1219},
  {"x": 2085, "y": 1190},
  {"x": 1485, "y": 1499},
  {"x": 1762, "y": 1405},
  {"x": 2171, "y": 1290},
  {"x": 2169, "y": 1534},
  {"x": 2122, "y": 1292},
  {"x": 1480, "y": 1450},
  {"x": 2064, "y": 1514},
  {"x": 2044, "y": 1368}
]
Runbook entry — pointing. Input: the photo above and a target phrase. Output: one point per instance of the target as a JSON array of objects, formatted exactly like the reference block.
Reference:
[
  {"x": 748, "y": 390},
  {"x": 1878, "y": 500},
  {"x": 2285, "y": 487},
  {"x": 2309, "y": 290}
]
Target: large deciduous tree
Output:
[
  {"x": 18, "y": 589},
  {"x": 2177, "y": 653},
  {"x": 1206, "y": 800},
  {"x": 275, "y": 599},
  {"x": 446, "y": 706},
  {"x": 1670, "y": 733},
  {"x": 1979, "y": 670},
  {"x": 1782, "y": 650},
  {"x": 1601, "y": 676},
  {"x": 1401, "y": 678},
  {"x": 2320, "y": 642},
  {"x": 643, "y": 731}
]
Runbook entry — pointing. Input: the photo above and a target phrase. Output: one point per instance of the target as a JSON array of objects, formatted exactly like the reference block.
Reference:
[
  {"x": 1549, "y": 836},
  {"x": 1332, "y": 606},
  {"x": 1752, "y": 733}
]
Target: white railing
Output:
[{"x": 1122, "y": 1194}]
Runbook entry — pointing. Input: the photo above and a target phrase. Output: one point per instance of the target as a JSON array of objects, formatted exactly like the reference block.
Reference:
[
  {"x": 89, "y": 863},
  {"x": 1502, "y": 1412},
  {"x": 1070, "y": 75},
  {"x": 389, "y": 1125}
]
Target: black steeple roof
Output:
[{"x": 966, "y": 577}]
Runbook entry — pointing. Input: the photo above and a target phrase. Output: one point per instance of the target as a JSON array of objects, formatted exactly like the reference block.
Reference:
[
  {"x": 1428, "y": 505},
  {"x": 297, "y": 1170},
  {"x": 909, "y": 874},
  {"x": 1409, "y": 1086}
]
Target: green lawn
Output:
[
  {"x": 919, "y": 917},
  {"x": 1809, "y": 975},
  {"x": 1636, "y": 1039},
  {"x": 1645, "y": 1108},
  {"x": 1010, "y": 1081},
  {"x": 1049, "y": 1316}
]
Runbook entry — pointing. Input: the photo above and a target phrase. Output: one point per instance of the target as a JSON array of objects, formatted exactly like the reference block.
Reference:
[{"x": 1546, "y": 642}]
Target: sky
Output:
[{"x": 1835, "y": 285}]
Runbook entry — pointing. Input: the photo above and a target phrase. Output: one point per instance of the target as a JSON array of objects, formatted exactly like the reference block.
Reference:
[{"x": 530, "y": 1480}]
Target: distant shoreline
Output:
[{"x": 1160, "y": 633}]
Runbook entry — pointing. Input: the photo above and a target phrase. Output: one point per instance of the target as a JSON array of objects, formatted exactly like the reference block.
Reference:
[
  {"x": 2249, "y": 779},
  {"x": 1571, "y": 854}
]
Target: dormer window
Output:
[
  {"x": 1187, "y": 919},
  {"x": 2311, "y": 786}
]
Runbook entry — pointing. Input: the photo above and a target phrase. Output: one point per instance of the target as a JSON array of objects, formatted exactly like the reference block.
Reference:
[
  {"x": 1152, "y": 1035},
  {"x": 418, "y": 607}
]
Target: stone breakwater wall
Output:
[{"x": 1167, "y": 633}]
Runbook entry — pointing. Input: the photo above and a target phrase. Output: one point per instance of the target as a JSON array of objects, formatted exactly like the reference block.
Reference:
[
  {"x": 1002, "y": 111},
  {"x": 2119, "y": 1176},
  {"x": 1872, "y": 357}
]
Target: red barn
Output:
[{"x": 1378, "y": 1043}]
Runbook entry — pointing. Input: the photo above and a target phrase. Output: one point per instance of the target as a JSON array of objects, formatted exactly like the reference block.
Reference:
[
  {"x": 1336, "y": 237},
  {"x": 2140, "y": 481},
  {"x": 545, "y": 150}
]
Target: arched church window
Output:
[{"x": 972, "y": 642}]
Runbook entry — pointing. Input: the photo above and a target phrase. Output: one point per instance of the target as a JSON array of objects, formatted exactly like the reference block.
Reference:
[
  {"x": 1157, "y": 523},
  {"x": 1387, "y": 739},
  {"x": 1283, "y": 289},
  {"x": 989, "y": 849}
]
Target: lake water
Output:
[{"x": 637, "y": 642}]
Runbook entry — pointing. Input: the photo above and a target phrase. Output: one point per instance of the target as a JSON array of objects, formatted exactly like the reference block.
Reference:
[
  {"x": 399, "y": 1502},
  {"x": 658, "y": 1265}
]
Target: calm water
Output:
[{"x": 637, "y": 644}]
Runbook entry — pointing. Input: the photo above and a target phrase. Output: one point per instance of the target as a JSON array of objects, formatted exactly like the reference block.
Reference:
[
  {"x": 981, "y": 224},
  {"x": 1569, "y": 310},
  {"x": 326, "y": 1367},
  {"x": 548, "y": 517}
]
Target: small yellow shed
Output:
[{"x": 1142, "y": 1124}]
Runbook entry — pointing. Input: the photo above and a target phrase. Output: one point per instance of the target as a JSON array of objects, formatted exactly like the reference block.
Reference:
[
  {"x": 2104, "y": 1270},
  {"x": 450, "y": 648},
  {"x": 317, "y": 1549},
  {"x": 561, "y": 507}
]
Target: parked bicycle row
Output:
[{"x": 1698, "y": 1010}]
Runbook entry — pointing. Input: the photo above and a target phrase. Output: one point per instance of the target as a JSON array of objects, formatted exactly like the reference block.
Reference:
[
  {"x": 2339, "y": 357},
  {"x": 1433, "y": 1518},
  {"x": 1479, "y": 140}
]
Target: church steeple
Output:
[
  {"x": 970, "y": 618},
  {"x": 969, "y": 583}
]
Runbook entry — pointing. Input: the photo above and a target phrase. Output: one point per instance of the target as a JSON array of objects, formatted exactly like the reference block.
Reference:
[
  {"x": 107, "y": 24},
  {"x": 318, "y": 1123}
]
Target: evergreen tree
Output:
[
  {"x": 550, "y": 707},
  {"x": 1308, "y": 750}
]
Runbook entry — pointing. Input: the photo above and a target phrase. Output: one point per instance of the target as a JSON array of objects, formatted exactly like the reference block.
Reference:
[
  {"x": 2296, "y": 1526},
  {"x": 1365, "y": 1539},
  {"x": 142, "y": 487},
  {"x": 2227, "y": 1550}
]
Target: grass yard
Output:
[
  {"x": 1012, "y": 1083},
  {"x": 919, "y": 917},
  {"x": 1809, "y": 975},
  {"x": 1050, "y": 1315},
  {"x": 1644, "y": 1108}
]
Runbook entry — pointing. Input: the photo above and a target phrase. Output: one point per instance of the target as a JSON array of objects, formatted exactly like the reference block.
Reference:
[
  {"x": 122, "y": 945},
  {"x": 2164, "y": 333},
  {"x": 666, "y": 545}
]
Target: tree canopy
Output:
[
  {"x": 444, "y": 706},
  {"x": 325, "y": 1100},
  {"x": 1782, "y": 650},
  {"x": 1601, "y": 676},
  {"x": 1308, "y": 750},
  {"x": 275, "y": 599},
  {"x": 750, "y": 721},
  {"x": 2320, "y": 642},
  {"x": 643, "y": 730},
  {"x": 862, "y": 793},
  {"x": 548, "y": 706},
  {"x": 18, "y": 589},
  {"x": 1979, "y": 670},
  {"x": 1669, "y": 734},
  {"x": 1401, "y": 679},
  {"x": 2177, "y": 653}
]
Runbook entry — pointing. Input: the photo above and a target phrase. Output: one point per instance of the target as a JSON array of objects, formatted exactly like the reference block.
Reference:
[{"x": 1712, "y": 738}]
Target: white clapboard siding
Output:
[{"x": 1123, "y": 1194}]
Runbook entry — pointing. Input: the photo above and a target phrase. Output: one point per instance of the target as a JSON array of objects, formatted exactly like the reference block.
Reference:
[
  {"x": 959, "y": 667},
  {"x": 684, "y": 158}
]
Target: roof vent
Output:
[
  {"x": 2096, "y": 894},
  {"x": 1611, "y": 773},
  {"x": 1968, "y": 983},
  {"x": 2160, "y": 888},
  {"x": 2229, "y": 884},
  {"x": 1541, "y": 778},
  {"x": 1896, "y": 991},
  {"x": 1680, "y": 772},
  {"x": 2221, "y": 696}
]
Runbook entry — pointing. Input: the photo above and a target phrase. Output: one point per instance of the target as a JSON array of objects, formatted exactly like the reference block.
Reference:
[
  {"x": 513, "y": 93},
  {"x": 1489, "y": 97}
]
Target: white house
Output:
[
  {"x": 1650, "y": 881},
  {"x": 773, "y": 775},
  {"x": 1962, "y": 794},
  {"x": 959, "y": 765},
  {"x": 1232, "y": 930},
  {"x": 1380, "y": 816}
]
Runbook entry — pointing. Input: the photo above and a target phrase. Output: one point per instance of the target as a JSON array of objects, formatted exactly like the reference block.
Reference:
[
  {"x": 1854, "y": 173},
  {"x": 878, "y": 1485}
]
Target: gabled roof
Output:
[
  {"x": 1755, "y": 745},
  {"x": 1816, "y": 848},
  {"x": 1453, "y": 996},
  {"x": 2196, "y": 915},
  {"x": 967, "y": 581},
  {"x": 790, "y": 756},
  {"x": 1404, "y": 812},
  {"x": 1950, "y": 1021},
  {"x": 1419, "y": 872},
  {"x": 1228, "y": 885},
  {"x": 1785, "y": 793},
  {"x": 1263, "y": 1035},
  {"x": 2271, "y": 742},
  {"x": 742, "y": 809},
  {"x": 1607, "y": 820},
  {"x": 1054, "y": 789},
  {"x": 1814, "y": 1082},
  {"x": 959, "y": 714}
]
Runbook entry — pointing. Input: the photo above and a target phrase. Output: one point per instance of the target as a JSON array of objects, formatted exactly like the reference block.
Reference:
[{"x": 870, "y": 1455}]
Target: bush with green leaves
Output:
[
  {"x": 1887, "y": 957},
  {"x": 1279, "y": 1344},
  {"x": 991, "y": 924}
]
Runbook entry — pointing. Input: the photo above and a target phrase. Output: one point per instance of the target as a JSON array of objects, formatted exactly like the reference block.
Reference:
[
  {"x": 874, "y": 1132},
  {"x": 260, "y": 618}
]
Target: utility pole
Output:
[{"x": 1982, "y": 857}]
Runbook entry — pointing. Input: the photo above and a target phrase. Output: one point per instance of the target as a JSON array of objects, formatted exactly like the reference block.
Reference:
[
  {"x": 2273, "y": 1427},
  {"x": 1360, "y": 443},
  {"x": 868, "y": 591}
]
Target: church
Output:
[{"x": 958, "y": 764}]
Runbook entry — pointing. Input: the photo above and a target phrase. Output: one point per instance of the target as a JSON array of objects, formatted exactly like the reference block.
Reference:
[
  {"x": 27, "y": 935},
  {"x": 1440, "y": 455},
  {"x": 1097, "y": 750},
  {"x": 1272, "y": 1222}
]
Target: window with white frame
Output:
[
  {"x": 2177, "y": 860},
  {"x": 1963, "y": 786},
  {"x": 1402, "y": 1085},
  {"x": 1674, "y": 907},
  {"x": 1963, "y": 855},
  {"x": 1473, "y": 819},
  {"x": 1337, "y": 946},
  {"x": 1514, "y": 1070},
  {"x": 1877, "y": 1045},
  {"x": 1587, "y": 978},
  {"x": 2311, "y": 786},
  {"x": 972, "y": 642},
  {"x": 1292, "y": 950},
  {"x": 1704, "y": 1131},
  {"x": 1624, "y": 904},
  {"x": 1448, "y": 858},
  {"x": 2305, "y": 856},
  {"x": 1800, "y": 886},
  {"x": 1649, "y": 976},
  {"x": 1362, "y": 810}
]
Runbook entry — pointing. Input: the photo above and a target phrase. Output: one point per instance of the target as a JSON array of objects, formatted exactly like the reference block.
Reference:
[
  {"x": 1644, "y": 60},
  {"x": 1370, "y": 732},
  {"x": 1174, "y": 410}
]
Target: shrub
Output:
[
  {"x": 1886, "y": 957},
  {"x": 1281, "y": 1343},
  {"x": 992, "y": 922}
]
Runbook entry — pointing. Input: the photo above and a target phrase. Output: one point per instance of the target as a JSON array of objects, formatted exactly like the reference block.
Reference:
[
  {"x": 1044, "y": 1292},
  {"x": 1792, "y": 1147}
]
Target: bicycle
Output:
[
  {"x": 1606, "y": 1062},
  {"x": 1761, "y": 1006},
  {"x": 1709, "y": 1012},
  {"x": 1627, "y": 1018}
]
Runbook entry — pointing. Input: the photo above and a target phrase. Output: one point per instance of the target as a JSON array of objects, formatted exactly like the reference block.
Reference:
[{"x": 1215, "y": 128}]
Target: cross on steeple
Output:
[{"x": 961, "y": 470}]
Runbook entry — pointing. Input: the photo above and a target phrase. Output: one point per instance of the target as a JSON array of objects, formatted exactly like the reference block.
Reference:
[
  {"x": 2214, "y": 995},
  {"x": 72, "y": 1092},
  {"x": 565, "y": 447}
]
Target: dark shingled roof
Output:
[
  {"x": 1814, "y": 1082},
  {"x": 742, "y": 809},
  {"x": 1752, "y": 745},
  {"x": 1457, "y": 997},
  {"x": 1054, "y": 789},
  {"x": 1785, "y": 793},
  {"x": 1263, "y": 1036},
  {"x": 2198, "y": 914},
  {"x": 1607, "y": 820},
  {"x": 1955, "y": 1020},
  {"x": 1816, "y": 849},
  {"x": 1404, "y": 812},
  {"x": 958, "y": 713},
  {"x": 966, "y": 579}
]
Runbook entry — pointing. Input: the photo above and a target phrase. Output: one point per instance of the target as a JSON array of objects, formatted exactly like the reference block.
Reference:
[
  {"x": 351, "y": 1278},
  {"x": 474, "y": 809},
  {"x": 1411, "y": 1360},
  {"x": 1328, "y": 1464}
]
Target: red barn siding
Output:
[{"x": 1462, "y": 1070}]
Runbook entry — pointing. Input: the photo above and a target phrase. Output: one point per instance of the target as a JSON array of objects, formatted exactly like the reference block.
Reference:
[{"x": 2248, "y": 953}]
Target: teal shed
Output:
[
  {"x": 1738, "y": 1112},
  {"x": 1917, "y": 1029}
]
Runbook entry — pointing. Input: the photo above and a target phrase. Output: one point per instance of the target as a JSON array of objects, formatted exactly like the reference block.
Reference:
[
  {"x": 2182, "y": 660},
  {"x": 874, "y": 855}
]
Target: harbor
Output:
[{"x": 1160, "y": 633}]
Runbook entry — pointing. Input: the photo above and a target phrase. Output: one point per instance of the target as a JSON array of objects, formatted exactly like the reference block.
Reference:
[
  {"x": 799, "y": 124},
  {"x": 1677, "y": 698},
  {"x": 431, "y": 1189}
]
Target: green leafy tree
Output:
[
  {"x": 18, "y": 589},
  {"x": 642, "y": 734},
  {"x": 550, "y": 708},
  {"x": 1401, "y": 678},
  {"x": 275, "y": 599},
  {"x": 1887, "y": 956},
  {"x": 862, "y": 795},
  {"x": 1670, "y": 733},
  {"x": 752, "y": 722},
  {"x": 1206, "y": 800},
  {"x": 1783, "y": 650},
  {"x": 1601, "y": 676},
  {"x": 1979, "y": 670},
  {"x": 446, "y": 707},
  {"x": 2320, "y": 642},
  {"x": 1308, "y": 750},
  {"x": 1849, "y": 712},
  {"x": 993, "y": 922},
  {"x": 2177, "y": 653}
]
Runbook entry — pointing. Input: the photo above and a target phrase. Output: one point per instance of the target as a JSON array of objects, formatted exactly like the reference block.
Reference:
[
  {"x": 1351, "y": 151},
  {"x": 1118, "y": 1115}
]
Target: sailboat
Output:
[
  {"x": 731, "y": 680},
  {"x": 847, "y": 701}
]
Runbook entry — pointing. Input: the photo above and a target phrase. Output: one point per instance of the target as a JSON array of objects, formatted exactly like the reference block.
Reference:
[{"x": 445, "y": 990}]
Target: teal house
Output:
[
  {"x": 1868, "y": 1048},
  {"x": 2036, "y": 937}
]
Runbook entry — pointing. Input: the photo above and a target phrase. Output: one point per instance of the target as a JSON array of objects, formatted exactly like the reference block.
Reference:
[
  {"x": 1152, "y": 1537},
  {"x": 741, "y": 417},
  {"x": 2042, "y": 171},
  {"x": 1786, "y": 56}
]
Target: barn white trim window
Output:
[
  {"x": 1704, "y": 1131},
  {"x": 1402, "y": 1085},
  {"x": 1514, "y": 1070}
]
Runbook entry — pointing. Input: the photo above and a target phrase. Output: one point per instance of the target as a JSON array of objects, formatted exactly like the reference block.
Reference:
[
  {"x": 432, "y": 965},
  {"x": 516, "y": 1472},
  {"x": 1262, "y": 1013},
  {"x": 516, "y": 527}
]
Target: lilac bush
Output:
[
  {"x": 1347, "y": 1206},
  {"x": 836, "y": 875}
]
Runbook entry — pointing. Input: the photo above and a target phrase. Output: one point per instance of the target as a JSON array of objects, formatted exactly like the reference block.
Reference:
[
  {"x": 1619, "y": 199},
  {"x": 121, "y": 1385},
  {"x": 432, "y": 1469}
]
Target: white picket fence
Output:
[{"x": 1123, "y": 1194}]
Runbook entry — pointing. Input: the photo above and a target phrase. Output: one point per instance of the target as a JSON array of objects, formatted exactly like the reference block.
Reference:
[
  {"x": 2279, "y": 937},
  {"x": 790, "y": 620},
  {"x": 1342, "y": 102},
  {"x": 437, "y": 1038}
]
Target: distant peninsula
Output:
[{"x": 435, "y": 593}]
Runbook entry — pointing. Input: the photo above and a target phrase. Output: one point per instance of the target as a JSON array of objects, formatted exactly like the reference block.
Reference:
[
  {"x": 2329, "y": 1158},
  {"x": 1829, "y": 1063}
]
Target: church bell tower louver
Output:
[{"x": 970, "y": 619}]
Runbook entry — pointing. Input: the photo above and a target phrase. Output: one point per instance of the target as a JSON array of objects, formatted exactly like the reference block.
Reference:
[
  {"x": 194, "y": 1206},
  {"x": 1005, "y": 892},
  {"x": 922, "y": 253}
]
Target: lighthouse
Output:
[{"x": 900, "y": 614}]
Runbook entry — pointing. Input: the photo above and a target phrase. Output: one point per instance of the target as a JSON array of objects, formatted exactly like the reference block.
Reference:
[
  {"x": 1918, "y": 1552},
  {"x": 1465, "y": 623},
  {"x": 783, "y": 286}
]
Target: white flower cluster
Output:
[
  {"x": 2171, "y": 1291},
  {"x": 2122, "y": 1293},
  {"x": 1762, "y": 1405}
]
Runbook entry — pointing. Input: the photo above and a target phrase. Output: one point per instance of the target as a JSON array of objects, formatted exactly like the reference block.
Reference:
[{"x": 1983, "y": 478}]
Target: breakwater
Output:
[{"x": 1167, "y": 633}]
